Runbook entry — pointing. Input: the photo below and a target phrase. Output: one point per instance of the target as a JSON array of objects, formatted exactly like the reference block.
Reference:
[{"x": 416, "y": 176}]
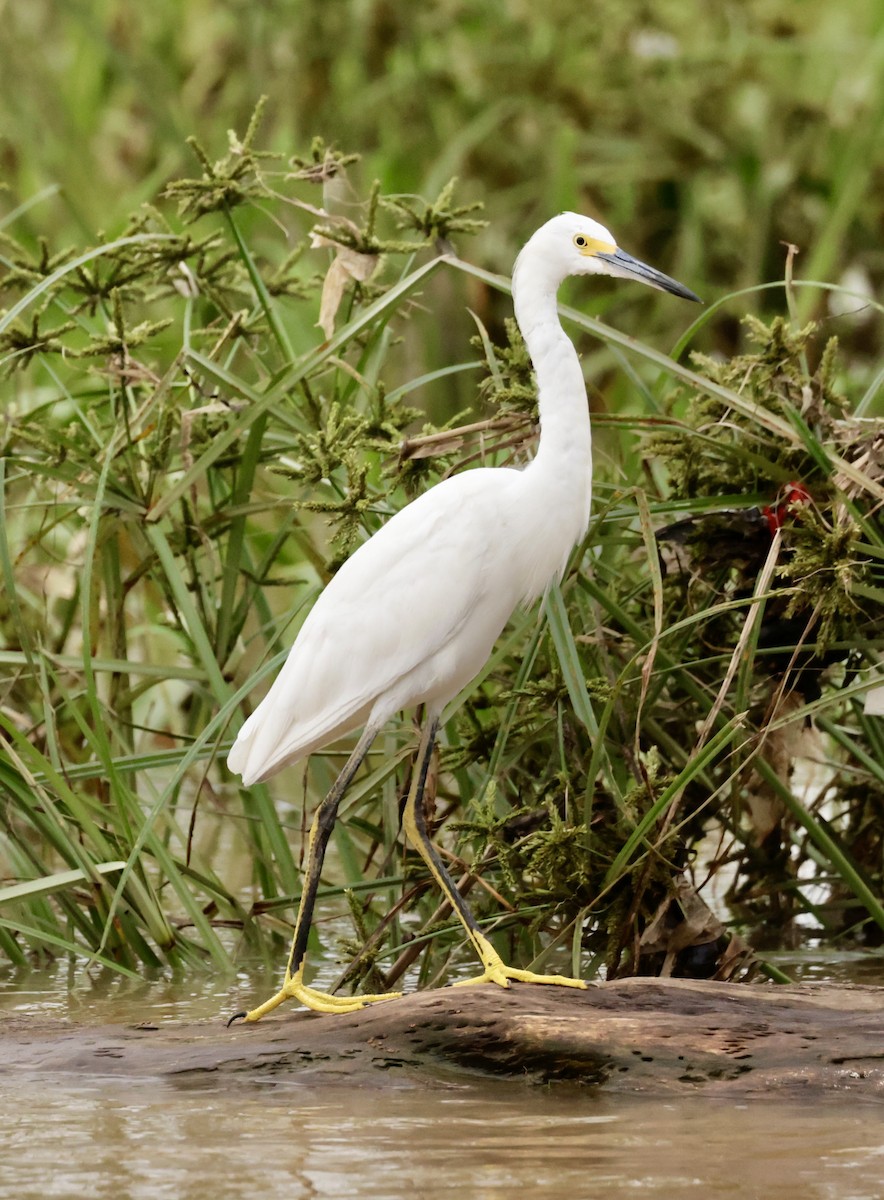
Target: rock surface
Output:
[{"x": 647, "y": 1036}]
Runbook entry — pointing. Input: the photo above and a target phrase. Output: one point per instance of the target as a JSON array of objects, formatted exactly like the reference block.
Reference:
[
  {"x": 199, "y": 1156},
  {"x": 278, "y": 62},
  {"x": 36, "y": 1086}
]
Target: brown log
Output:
[{"x": 636, "y": 1035}]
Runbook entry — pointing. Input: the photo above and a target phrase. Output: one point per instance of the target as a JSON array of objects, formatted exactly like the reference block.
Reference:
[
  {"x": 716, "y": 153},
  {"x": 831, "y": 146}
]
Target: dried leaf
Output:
[
  {"x": 792, "y": 746},
  {"x": 347, "y": 265}
]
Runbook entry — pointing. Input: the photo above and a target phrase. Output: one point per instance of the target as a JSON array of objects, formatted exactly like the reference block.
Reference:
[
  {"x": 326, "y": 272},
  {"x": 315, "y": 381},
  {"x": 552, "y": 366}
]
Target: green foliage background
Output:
[
  {"x": 707, "y": 134},
  {"x": 185, "y": 459}
]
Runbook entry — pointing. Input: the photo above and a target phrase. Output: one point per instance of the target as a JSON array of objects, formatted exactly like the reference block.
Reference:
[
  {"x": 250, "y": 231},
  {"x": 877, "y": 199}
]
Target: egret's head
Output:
[{"x": 570, "y": 244}]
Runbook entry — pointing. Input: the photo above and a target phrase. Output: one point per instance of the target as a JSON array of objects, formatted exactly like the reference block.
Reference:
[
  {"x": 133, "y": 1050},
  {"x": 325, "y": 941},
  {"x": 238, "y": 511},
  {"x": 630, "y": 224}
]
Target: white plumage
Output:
[
  {"x": 384, "y": 636},
  {"x": 412, "y": 616}
]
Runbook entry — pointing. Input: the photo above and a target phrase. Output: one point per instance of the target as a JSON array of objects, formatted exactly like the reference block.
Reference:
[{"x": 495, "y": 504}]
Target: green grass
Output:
[{"x": 186, "y": 458}]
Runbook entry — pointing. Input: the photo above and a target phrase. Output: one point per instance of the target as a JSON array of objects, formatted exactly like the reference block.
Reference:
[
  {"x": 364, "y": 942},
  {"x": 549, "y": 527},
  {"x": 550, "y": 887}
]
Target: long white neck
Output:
[{"x": 562, "y": 467}]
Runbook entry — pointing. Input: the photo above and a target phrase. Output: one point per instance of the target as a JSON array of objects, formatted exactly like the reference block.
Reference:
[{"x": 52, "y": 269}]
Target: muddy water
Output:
[
  {"x": 64, "y": 1139},
  {"x": 400, "y": 1137}
]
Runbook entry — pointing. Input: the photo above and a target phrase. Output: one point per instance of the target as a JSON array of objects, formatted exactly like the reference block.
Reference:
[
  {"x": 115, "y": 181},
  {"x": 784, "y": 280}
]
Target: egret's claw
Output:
[
  {"x": 501, "y": 974},
  {"x": 496, "y": 970},
  {"x": 295, "y": 989}
]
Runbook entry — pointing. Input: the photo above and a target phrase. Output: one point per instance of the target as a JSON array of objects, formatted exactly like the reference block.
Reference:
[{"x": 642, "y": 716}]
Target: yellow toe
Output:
[
  {"x": 323, "y": 1002},
  {"x": 501, "y": 974},
  {"x": 496, "y": 970}
]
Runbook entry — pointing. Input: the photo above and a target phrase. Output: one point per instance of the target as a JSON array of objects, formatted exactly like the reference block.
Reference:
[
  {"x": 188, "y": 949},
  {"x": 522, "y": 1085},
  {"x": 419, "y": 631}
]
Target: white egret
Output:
[{"x": 411, "y": 617}]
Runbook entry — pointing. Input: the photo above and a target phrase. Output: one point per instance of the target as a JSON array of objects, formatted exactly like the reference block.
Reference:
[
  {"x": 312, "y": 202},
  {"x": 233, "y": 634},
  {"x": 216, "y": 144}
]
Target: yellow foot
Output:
[
  {"x": 295, "y": 989},
  {"x": 496, "y": 970},
  {"x": 501, "y": 974}
]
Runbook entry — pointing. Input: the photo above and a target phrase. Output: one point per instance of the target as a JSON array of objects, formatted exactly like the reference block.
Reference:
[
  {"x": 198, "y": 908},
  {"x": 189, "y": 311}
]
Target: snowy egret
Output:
[{"x": 411, "y": 617}]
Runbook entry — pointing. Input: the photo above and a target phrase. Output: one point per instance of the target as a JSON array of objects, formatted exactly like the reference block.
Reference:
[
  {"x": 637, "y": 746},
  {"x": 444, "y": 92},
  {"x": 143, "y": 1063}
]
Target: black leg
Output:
[
  {"x": 414, "y": 821},
  {"x": 320, "y": 832},
  {"x": 495, "y": 969}
]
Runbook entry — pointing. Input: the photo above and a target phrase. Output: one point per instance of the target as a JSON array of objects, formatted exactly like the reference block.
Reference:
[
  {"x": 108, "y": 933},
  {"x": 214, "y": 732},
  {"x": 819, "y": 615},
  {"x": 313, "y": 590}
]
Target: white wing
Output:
[{"x": 410, "y": 617}]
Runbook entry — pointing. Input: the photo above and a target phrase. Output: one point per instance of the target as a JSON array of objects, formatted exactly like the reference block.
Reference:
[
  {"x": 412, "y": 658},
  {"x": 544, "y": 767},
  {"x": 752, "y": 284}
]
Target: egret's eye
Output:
[{"x": 580, "y": 241}]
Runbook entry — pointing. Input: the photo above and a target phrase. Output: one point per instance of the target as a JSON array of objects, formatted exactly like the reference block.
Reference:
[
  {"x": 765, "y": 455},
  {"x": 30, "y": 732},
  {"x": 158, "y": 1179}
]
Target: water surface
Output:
[{"x": 401, "y": 1137}]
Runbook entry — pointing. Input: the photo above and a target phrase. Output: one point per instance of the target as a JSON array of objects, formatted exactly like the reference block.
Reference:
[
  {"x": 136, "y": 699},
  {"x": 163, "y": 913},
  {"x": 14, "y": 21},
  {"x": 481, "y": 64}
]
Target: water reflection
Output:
[{"x": 402, "y": 1142}]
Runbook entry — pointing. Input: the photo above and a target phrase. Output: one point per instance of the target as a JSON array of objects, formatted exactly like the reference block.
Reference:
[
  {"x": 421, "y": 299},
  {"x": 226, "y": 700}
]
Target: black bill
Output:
[{"x": 628, "y": 267}]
